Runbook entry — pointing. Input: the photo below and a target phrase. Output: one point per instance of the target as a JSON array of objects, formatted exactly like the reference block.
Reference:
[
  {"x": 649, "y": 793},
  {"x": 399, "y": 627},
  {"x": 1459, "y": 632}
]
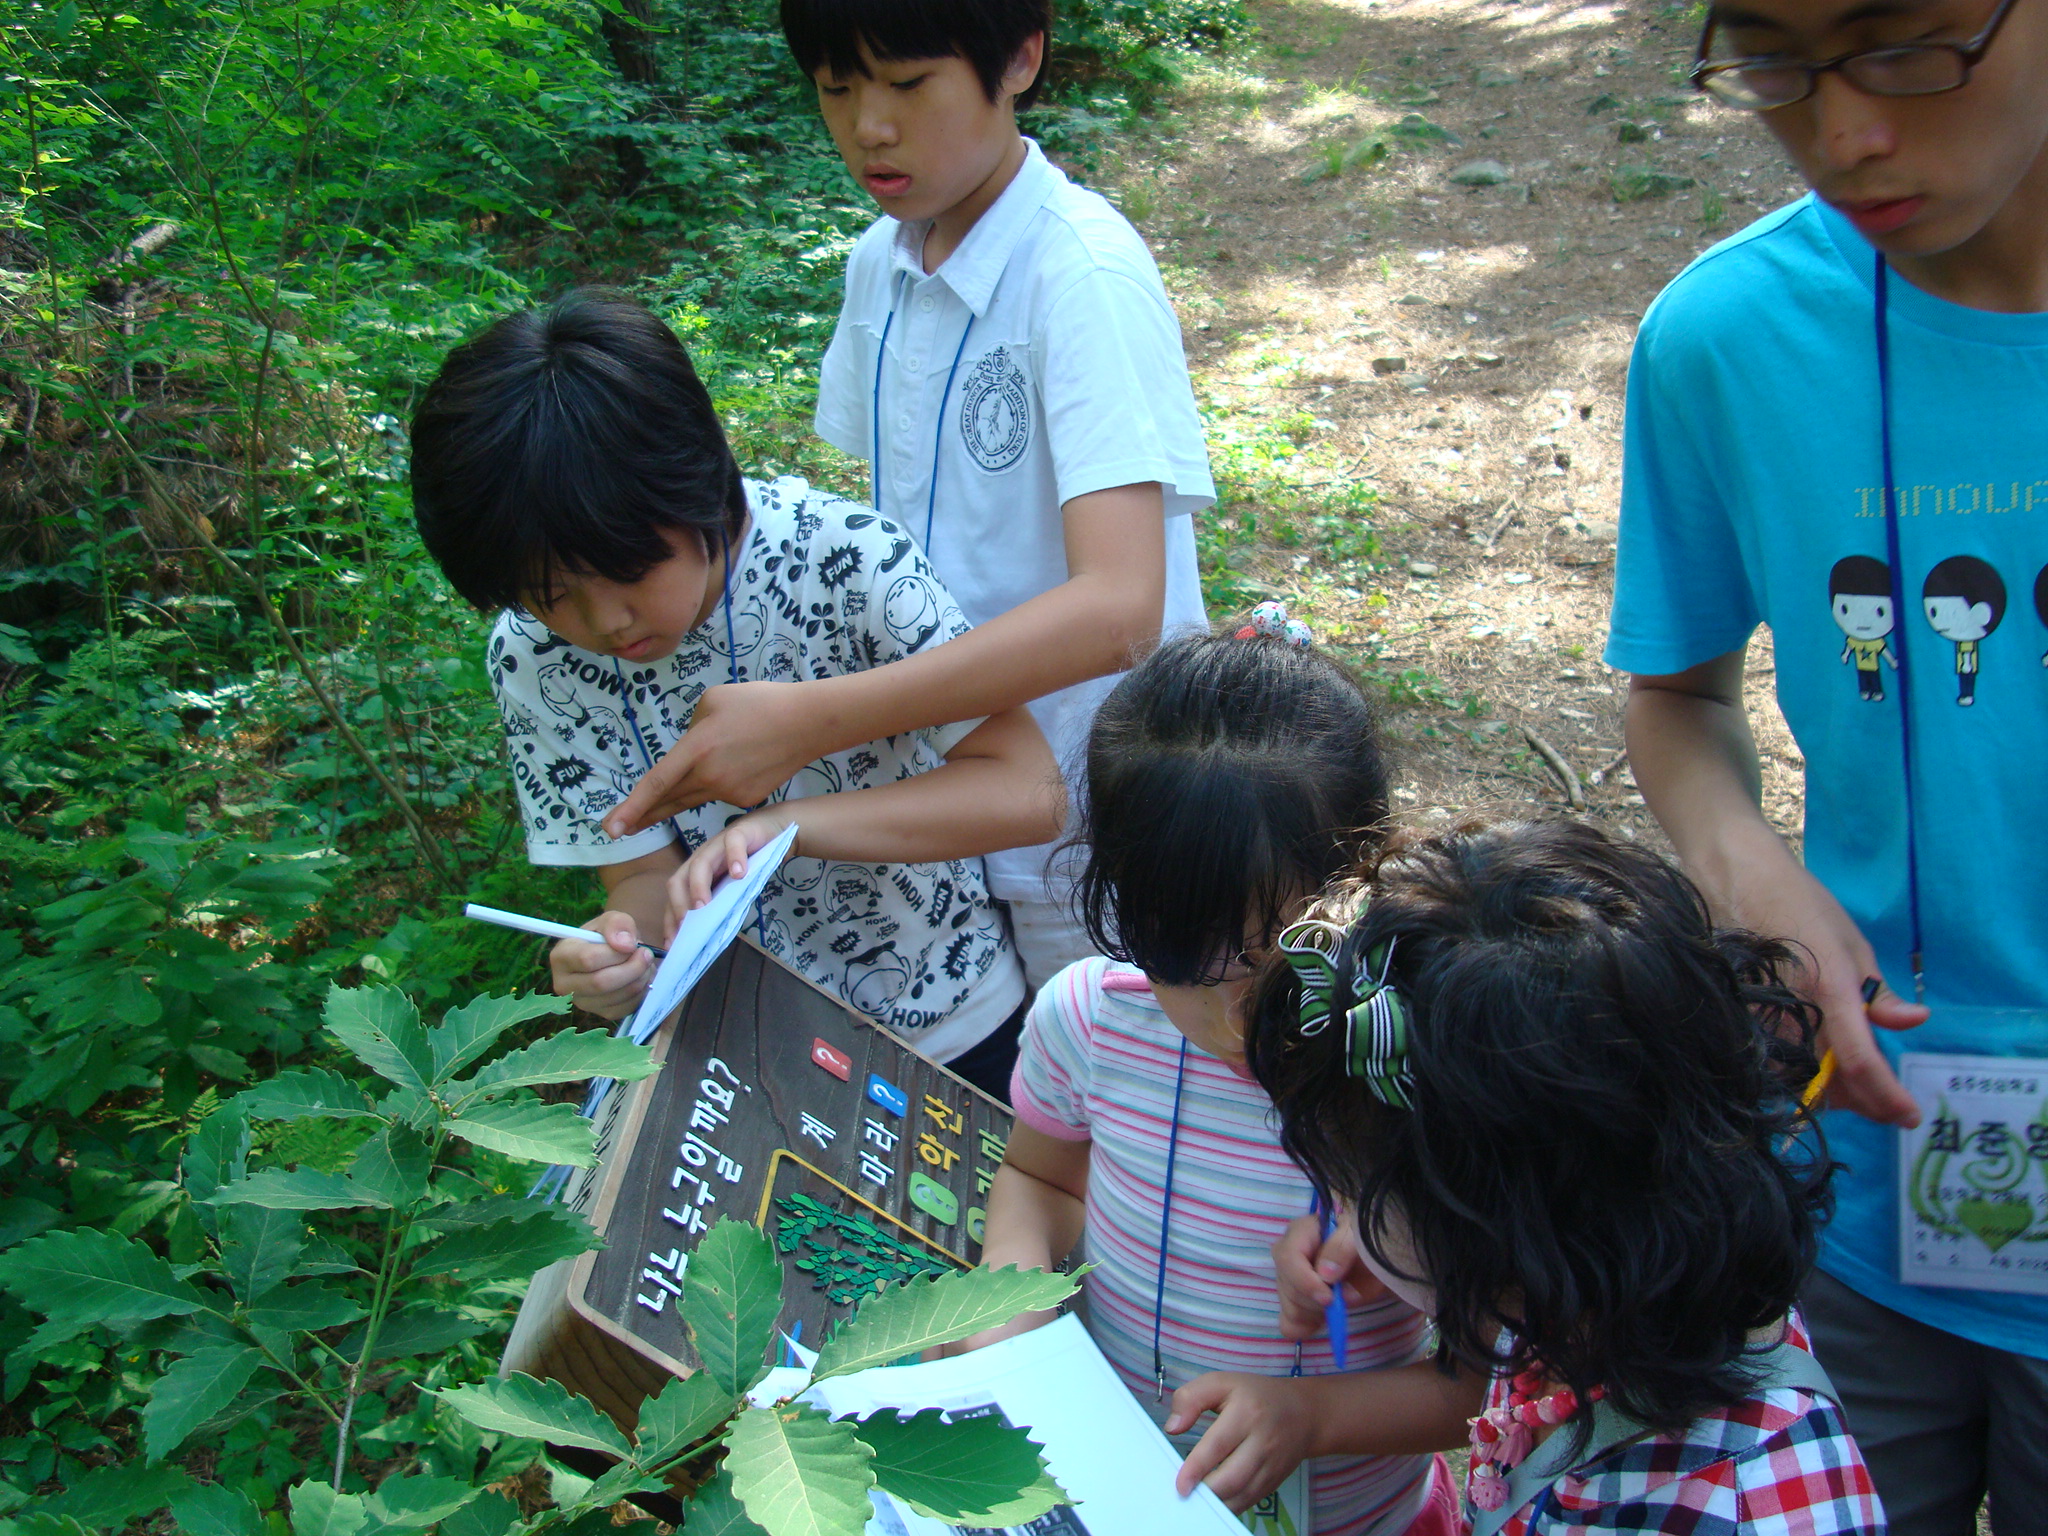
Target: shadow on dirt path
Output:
[{"x": 1410, "y": 241}]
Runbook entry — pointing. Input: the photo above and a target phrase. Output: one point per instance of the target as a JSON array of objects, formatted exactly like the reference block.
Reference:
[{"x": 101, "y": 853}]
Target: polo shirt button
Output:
[
  {"x": 912, "y": 364},
  {"x": 927, "y": 304},
  {"x": 902, "y": 423}
]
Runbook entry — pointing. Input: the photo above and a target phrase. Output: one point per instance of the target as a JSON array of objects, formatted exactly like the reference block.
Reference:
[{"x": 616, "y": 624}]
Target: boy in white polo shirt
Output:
[{"x": 1009, "y": 364}]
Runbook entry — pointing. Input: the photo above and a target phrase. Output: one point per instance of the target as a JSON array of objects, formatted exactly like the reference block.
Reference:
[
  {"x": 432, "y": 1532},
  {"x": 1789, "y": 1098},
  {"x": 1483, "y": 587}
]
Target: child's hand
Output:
[
  {"x": 1306, "y": 1265},
  {"x": 1264, "y": 1429},
  {"x": 723, "y": 856},
  {"x": 606, "y": 979},
  {"x": 745, "y": 741}
]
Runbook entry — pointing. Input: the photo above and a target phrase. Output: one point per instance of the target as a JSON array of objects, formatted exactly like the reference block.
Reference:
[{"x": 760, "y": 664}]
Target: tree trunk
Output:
[{"x": 629, "y": 34}]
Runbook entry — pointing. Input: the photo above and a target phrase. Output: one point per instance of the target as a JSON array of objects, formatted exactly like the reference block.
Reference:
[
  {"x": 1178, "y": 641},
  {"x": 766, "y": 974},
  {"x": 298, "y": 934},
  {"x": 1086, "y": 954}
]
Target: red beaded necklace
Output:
[{"x": 1504, "y": 1435}]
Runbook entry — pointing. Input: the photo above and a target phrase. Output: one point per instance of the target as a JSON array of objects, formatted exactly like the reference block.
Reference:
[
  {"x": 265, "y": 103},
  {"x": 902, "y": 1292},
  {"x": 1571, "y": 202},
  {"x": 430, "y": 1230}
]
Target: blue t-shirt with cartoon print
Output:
[{"x": 1753, "y": 494}]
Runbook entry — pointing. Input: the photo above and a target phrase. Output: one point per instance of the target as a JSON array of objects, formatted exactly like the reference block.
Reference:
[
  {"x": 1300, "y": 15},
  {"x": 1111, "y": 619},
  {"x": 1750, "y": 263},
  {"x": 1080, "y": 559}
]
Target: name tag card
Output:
[{"x": 1973, "y": 1177}]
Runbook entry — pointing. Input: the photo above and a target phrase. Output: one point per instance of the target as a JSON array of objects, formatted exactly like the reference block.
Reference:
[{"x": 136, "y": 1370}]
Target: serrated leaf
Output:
[
  {"x": 620, "y": 1483},
  {"x": 910, "y": 1318},
  {"x": 414, "y": 1503},
  {"x": 84, "y": 1277},
  {"x": 22, "y": 1217},
  {"x": 40, "y": 1522},
  {"x": 978, "y": 1471},
  {"x": 536, "y": 1410},
  {"x": 394, "y": 1164},
  {"x": 382, "y": 1028},
  {"x": 562, "y": 1058},
  {"x": 541, "y": 1133},
  {"x": 318, "y": 1510},
  {"x": 491, "y": 1514},
  {"x": 259, "y": 1247},
  {"x": 192, "y": 1391},
  {"x": 467, "y": 1033},
  {"x": 456, "y": 1215},
  {"x": 296, "y": 1189},
  {"x": 325, "y": 1258},
  {"x": 216, "y": 1153},
  {"x": 798, "y": 1473},
  {"x": 732, "y": 1295},
  {"x": 114, "y": 1495},
  {"x": 717, "y": 1511},
  {"x": 214, "y": 1509},
  {"x": 305, "y": 1308},
  {"x": 679, "y": 1415},
  {"x": 509, "y": 1249},
  {"x": 418, "y": 1330},
  {"x": 313, "y": 1094}
]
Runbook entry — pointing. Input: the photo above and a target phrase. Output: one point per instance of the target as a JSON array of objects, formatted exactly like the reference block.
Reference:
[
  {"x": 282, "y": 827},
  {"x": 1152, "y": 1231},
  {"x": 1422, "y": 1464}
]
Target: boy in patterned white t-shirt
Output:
[{"x": 568, "y": 469}]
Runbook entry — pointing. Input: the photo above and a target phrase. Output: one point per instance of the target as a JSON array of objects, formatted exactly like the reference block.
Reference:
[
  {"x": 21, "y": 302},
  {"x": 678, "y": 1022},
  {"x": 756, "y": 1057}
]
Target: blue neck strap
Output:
[{"x": 931, "y": 499}]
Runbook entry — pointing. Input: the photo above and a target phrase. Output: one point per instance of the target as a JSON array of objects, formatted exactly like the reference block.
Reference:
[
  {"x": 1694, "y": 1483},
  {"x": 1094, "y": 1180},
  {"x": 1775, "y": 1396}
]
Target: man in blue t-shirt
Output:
[{"x": 1908, "y": 293}]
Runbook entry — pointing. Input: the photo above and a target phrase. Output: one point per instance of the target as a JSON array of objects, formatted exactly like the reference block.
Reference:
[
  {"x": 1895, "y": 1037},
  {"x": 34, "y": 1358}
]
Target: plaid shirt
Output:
[{"x": 1780, "y": 1463}]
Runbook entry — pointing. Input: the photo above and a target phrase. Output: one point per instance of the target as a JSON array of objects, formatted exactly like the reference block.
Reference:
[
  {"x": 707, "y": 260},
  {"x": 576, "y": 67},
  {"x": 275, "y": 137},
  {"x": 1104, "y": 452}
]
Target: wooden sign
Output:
[{"x": 778, "y": 1105}]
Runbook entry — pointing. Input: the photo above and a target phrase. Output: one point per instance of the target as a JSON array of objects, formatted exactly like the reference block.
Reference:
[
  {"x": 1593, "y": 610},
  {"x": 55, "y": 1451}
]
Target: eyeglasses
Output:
[{"x": 1765, "y": 83}]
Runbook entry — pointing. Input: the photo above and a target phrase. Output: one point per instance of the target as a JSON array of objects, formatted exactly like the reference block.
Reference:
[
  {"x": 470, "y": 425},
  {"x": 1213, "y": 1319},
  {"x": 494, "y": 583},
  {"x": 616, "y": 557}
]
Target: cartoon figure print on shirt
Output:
[
  {"x": 2041, "y": 603},
  {"x": 995, "y": 411},
  {"x": 1964, "y": 599},
  {"x": 1860, "y": 597}
]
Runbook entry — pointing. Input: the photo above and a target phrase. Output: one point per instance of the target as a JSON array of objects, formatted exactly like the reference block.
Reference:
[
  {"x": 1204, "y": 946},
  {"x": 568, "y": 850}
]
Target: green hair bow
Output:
[{"x": 1376, "y": 1028}]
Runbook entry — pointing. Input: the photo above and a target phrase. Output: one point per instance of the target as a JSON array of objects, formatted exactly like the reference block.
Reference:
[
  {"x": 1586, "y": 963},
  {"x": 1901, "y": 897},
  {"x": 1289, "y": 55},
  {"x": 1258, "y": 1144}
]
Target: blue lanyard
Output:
[
  {"x": 1180, "y": 1078},
  {"x": 1898, "y": 581},
  {"x": 931, "y": 500}
]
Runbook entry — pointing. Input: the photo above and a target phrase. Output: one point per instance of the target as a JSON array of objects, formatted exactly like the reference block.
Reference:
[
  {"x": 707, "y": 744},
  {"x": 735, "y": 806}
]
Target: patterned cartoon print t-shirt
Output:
[{"x": 820, "y": 588}]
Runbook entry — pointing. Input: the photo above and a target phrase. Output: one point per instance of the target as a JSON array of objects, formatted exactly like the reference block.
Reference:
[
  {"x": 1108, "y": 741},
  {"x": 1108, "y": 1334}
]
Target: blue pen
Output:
[{"x": 1337, "y": 1317}]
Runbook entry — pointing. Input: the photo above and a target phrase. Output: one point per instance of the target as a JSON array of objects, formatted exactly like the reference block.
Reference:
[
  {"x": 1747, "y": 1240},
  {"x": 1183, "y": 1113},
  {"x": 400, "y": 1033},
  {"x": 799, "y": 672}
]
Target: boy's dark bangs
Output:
[
  {"x": 832, "y": 33},
  {"x": 1200, "y": 869}
]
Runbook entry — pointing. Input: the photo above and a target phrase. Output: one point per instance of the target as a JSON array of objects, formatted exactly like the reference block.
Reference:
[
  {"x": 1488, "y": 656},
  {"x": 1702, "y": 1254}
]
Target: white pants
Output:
[{"x": 1048, "y": 940}]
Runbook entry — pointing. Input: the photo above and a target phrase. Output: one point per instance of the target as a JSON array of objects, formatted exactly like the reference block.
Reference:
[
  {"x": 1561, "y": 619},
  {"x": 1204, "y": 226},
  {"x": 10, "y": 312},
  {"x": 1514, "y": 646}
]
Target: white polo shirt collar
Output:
[{"x": 977, "y": 263}]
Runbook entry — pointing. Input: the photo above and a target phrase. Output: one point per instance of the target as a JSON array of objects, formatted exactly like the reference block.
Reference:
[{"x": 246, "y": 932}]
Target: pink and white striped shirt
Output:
[{"x": 1098, "y": 1063}]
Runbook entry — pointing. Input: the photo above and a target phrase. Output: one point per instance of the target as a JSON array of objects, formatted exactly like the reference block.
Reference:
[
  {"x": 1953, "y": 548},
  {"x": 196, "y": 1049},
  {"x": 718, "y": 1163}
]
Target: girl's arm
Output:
[
  {"x": 745, "y": 739},
  {"x": 999, "y": 788},
  {"x": 1035, "y": 1211},
  {"x": 1266, "y": 1426}
]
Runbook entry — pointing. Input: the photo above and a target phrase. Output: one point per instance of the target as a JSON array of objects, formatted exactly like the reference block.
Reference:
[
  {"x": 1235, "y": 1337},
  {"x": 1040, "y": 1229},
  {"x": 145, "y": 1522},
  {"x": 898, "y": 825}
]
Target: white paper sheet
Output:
[
  {"x": 1108, "y": 1455},
  {"x": 703, "y": 936}
]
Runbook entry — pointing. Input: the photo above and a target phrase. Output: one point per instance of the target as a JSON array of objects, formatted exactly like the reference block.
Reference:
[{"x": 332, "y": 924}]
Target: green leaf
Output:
[
  {"x": 910, "y": 1318},
  {"x": 562, "y": 1058},
  {"x": 315, "y": 1094},
  {"x": 394, "y": 1164},
  {"x": 509, "y": 1249},
  {"x": 87, "y": 1277},
  {"x": 192, "y": 1391},
  {"x": 678, "y": 1416},
  {"x": 304, "y": 1308},
  {"x": 259, "y": 1247},
  {"x": 112, "y": 1496},
  {"x": 418, "y": 1330},
  {"x": 217, "y": 1152},
  {"x": 621, "y": 1482},
  {"x": 414, "y": 1503},
  {"x": 798, "y": 1473},
  {"x": 541, "y": 1133},
  {"x": 717, "y": 1511},
  {"x": 22, "y": 1217},
  {"x": 299, "y": 1189},
  {"x": 536, "y": 1410},
  {"x": 383, "y": 1029},
  {"x": 490, "y": 1514},
  {"x": 978, "y": 1471},
  {"x": 214, "y": 1509},
  {"x": 732, "y": 1295},
  {"x": 317, "y": 1510},
  {"x": 467, "y": 1033}
]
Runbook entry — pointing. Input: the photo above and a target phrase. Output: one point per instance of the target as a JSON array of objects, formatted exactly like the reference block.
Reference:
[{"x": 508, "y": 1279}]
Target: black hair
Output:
[
  {"x": 1227, "y": 777},
  {"x": 1599, "y": 1158},
  {"x": 1860, "y": 576},
  {"x": 2041, "y": 594},
  {"x": 1972, "y": 580},
  {"x": 986, "y": 33},
  {"x": 572, "y": 438}
]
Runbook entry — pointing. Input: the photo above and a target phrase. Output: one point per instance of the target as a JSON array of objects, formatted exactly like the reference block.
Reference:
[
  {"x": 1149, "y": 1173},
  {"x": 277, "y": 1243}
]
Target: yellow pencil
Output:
[{"x": 1819, "y": 1085}]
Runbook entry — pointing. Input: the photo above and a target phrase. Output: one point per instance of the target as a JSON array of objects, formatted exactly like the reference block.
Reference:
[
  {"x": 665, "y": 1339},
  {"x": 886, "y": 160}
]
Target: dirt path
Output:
[{"x": 1449, "y": 358}]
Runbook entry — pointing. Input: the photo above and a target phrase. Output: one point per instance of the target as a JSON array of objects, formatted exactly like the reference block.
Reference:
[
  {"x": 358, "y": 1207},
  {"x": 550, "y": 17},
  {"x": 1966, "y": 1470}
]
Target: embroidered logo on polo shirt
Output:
[{"x": 995, "y": 412}]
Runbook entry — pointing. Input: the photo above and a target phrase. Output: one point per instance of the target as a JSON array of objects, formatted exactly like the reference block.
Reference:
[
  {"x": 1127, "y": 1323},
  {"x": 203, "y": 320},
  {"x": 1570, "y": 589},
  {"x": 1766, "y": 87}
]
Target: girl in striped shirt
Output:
[{"x": 1228, "y": 777}]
